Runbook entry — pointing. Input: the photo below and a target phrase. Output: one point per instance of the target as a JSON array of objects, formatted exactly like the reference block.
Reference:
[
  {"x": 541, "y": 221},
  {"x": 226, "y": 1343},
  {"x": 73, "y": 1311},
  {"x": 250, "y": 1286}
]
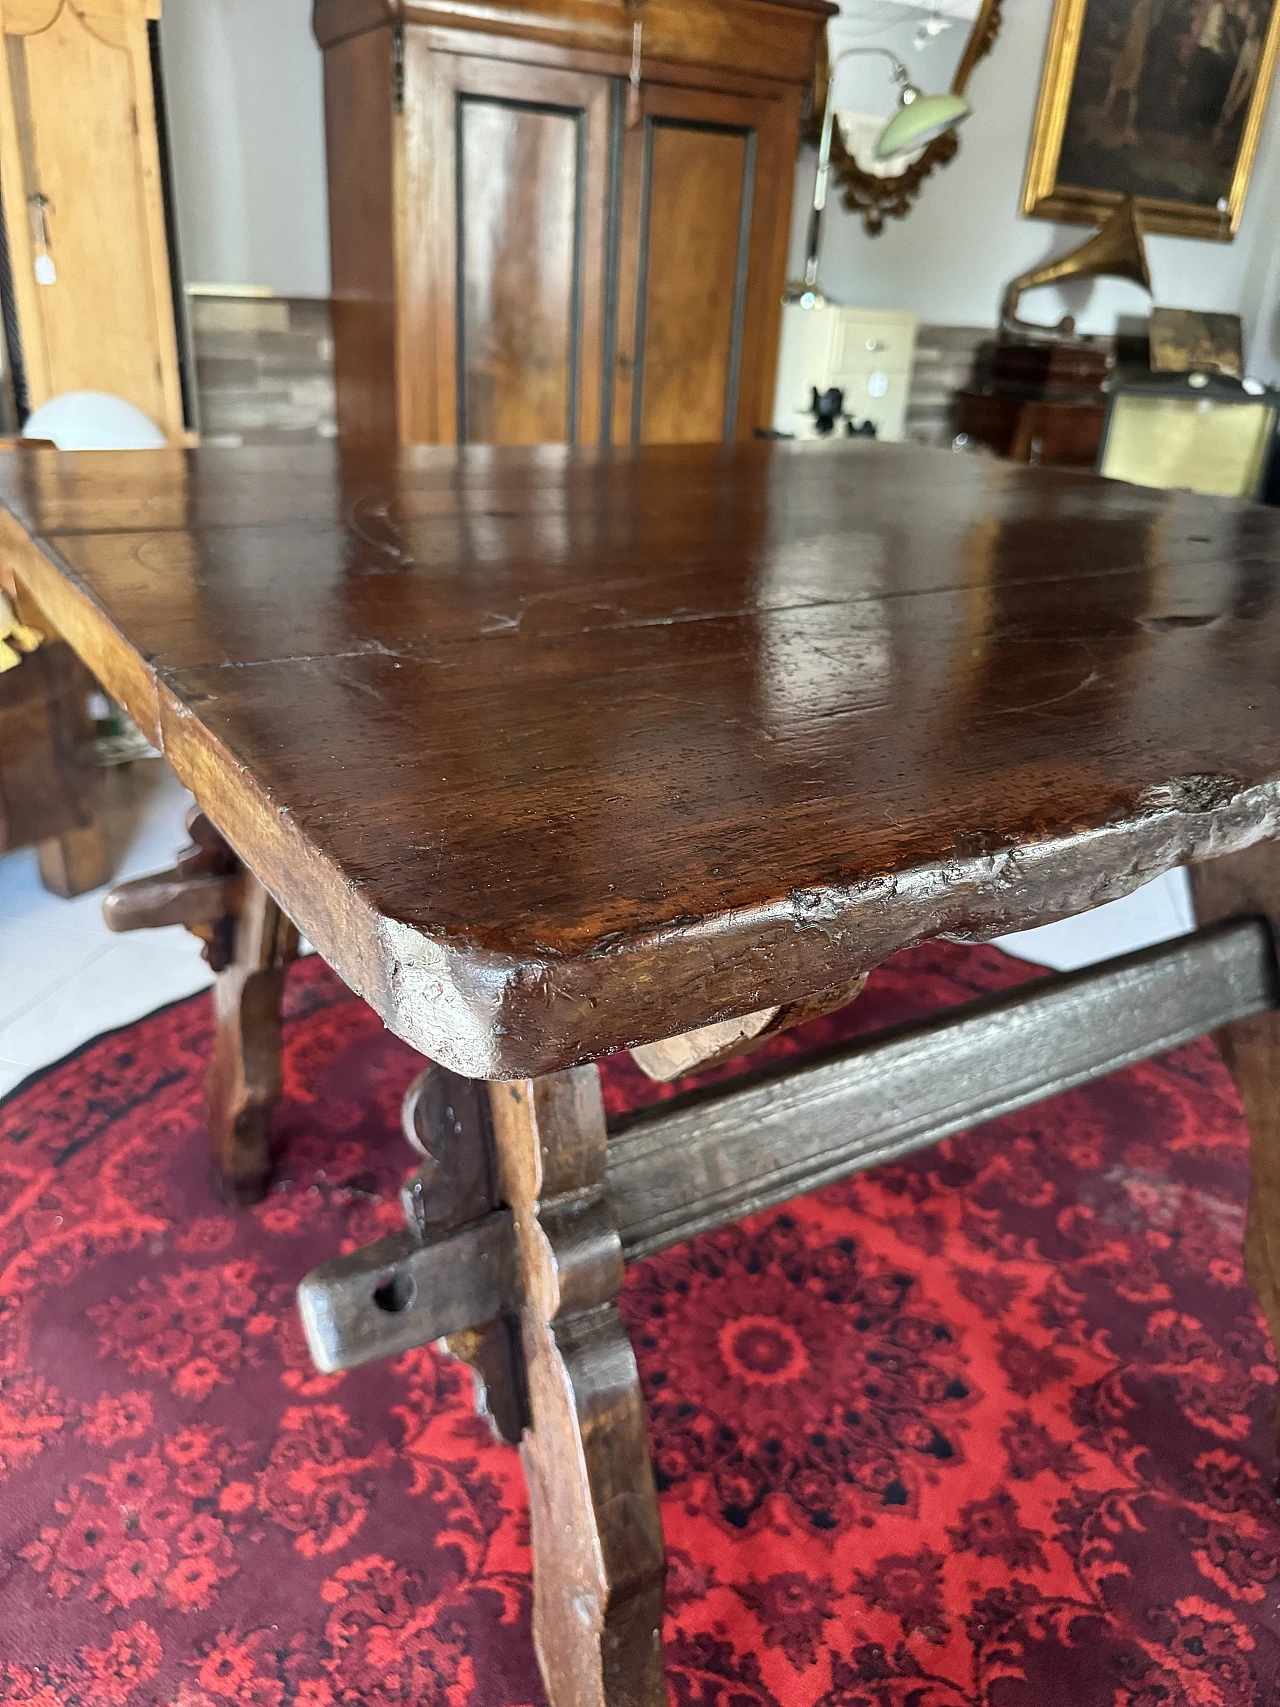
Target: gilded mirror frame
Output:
[{"x": 877, "y": 199}]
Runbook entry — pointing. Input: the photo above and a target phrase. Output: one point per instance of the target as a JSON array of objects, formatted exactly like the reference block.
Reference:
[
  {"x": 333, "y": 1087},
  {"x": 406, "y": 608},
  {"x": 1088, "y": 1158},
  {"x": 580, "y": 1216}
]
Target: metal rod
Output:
[
  {"x": 902, "y": 77},
  {"x": 707, "y": 1159}
]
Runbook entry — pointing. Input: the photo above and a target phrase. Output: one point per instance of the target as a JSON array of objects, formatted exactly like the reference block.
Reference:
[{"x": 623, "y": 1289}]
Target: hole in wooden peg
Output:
[{"x": 395, "y": 1294}]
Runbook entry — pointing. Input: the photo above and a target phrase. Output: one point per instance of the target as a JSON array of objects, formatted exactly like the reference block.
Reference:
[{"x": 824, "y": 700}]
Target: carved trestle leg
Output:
[
  {"x": 1231, "y": 887},
  {"x": 243, "y": 1080},
  {"x": 248, "y": 943},
  {"x": 563, "y": 1367}
]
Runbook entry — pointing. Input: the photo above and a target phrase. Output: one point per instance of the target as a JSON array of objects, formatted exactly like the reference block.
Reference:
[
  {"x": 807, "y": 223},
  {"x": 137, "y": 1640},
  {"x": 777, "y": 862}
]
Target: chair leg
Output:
[
  {"x": 598, "y": 1559},
  {"x": 74, "y": 862},
  {"x": 1234, "y": 886},
  {"x": 243, "y": 1081}
]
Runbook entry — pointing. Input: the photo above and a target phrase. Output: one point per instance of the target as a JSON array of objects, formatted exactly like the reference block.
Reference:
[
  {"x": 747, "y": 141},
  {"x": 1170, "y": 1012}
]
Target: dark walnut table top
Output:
[{"x": 549, "y": 753}]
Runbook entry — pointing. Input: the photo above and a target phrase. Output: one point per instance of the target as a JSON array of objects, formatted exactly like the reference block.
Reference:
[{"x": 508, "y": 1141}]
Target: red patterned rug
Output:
[{"x": 990, "y": 1426}]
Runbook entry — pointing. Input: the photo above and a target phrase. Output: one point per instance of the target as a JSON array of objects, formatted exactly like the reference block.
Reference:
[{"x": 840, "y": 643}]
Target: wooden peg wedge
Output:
[
  {"x": 175, "y": 897},
  {"x": 711, "y": 1045}
]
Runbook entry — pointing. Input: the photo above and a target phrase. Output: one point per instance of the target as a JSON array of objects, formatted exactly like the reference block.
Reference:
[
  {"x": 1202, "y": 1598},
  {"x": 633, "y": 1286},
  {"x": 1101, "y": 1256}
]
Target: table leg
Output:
[
  {"x": 50, "y": 782},
  {"x": 248, "y": 943},
  {"x": 1234, "y": 886},
  {"x": 598, "y": 1557},
  {"x": 243, "y": 1081}
]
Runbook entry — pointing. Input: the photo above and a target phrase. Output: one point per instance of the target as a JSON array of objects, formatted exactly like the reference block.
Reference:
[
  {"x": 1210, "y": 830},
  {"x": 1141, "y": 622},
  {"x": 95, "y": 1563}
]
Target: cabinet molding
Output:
[{"x": 773, "y": 39}]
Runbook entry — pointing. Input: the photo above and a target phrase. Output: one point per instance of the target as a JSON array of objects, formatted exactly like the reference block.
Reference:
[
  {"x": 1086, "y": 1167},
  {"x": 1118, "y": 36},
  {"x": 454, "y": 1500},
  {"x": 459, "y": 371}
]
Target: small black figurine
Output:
[{"x": 826, "y": 409}]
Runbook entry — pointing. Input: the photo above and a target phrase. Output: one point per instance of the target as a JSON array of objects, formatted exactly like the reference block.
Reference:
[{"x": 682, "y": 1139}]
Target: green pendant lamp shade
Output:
[{"x": 918, "y": 120}]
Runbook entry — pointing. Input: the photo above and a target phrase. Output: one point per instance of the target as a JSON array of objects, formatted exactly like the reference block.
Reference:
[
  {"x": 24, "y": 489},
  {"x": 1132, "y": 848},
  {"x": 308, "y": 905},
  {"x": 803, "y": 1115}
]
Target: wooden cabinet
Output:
[
  {"x": 864, "y": 353},
  {"x": 50, "y": 784},
  {"x": 91, "y": 295},
  {"x": 526, "y": 248}
]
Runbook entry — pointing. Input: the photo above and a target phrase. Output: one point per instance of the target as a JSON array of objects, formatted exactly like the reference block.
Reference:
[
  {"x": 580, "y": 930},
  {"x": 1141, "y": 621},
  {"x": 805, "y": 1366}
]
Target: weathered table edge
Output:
[{"x": 490, "y": 1016}]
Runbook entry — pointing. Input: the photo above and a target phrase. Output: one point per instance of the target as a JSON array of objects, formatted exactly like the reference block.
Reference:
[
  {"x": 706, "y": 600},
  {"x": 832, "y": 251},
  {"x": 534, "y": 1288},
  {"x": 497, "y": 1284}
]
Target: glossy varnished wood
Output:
[
  {"x": 555, "y": 753},
  {"x": 769, "y": 42},
  {"x": 359, "y": 77},
  {"x": 507, "y": 253},
  {"x": 706, "y": 194}
]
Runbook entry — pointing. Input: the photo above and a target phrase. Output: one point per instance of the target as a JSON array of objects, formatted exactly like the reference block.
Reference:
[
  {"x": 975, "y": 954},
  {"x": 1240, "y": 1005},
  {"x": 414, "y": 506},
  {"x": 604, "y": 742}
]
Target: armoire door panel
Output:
[
  {"x": 694, "y": 240},
  {"x": 506, "y": 250},
  {"x": 519, "y": 233},
  {"x": 696, "y": 265}
]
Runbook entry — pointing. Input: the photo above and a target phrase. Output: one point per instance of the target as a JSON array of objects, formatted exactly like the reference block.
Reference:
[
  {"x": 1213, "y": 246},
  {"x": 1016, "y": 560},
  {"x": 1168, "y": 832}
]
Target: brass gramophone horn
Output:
[{"x": 1117, "y": 251}]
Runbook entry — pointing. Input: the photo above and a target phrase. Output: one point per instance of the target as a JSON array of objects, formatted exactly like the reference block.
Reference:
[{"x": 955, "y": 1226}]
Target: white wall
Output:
[
  {"x": 1260, "y": 299},
  {"x": 950, "y": 259},
  {"x": 246, "y": 120},
  {"x": 246, "y": 115}
]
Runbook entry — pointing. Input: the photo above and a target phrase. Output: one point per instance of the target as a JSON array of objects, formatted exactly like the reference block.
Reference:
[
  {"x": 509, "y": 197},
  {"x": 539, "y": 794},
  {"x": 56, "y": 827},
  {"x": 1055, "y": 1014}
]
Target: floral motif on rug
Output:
[{"x": 986, "y": 1428}]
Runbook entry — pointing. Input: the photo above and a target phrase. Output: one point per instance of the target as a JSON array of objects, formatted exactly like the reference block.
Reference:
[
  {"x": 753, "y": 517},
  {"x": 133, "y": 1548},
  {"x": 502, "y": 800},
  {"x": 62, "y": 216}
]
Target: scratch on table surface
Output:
[{"x": 367, "y": 649}]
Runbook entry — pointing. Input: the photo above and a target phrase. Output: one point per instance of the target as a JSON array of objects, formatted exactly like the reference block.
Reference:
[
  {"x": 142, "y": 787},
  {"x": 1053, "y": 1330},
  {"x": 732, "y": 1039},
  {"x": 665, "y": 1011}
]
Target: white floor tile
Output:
[
  {"x": 1152, "y": 914},
  {"x": 36, "y": 958},
  {"x": 143, "y": 821},
  {"x": 11, "y": 1073},
  {"x": 129, "y": 978},
  {"x": 63, "y": 976}
]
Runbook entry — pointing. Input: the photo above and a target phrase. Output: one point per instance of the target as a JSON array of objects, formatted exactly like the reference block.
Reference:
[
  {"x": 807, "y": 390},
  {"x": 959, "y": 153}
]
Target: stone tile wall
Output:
[{"x": 264, "y": 368}]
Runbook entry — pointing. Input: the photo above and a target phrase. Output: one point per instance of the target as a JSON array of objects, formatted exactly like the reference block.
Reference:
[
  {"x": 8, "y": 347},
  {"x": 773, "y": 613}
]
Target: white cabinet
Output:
[{"x": 866, "y": 352}]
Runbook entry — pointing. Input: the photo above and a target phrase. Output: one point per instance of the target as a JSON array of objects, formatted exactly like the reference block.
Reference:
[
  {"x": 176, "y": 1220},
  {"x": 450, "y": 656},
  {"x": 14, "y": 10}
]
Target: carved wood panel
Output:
[
  {"x": 699, "y": 207},
  {"x": 506, "y": 257}
]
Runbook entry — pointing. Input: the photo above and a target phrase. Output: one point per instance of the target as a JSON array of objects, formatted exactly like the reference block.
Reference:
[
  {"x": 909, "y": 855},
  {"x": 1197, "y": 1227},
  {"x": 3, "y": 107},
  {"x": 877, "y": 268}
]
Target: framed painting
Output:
[{"x": 1158, "y": 99}]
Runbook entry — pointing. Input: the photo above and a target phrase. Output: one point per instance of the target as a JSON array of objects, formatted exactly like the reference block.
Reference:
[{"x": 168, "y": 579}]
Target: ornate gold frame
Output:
[
  {"x": 1044, "y": 198},
  {"x": 878, "y": 199}
]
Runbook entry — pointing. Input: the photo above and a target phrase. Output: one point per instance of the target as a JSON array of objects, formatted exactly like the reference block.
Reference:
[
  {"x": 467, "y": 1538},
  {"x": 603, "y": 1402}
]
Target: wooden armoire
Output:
[{"x": 560, "y": 220}]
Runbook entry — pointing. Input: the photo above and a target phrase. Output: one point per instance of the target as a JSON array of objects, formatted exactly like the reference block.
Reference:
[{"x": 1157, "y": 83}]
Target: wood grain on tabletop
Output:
[{"x": 551, "y": 752}]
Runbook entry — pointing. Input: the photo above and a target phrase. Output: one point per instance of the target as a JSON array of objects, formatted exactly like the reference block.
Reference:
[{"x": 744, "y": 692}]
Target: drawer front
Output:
[
  {"x": 879, "y": 396},
  {"x": 861, "y": 345}
]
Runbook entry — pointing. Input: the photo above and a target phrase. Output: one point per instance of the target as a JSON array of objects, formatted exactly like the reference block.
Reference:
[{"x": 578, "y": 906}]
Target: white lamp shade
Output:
[
  {"x": 918, "y": 121},
  {"x": 860, "y": 132},
  {"x": 93, "y": 420}
]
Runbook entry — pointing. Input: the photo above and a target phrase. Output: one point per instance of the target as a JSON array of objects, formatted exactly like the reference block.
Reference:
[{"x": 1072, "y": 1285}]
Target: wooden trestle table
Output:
[{"x": 556, "y": 753}]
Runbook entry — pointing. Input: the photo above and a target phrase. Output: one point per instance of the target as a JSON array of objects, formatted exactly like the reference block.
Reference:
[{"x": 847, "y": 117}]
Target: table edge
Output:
[{"x": 494, "y": 1016}]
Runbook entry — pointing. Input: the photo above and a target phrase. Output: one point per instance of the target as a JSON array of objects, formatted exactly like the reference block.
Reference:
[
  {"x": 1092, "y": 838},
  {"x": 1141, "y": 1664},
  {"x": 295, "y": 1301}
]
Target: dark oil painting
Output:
[{"x": 1160, "y": 96}]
